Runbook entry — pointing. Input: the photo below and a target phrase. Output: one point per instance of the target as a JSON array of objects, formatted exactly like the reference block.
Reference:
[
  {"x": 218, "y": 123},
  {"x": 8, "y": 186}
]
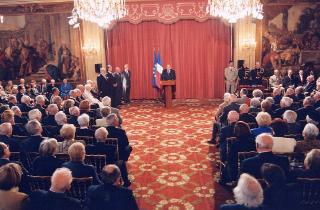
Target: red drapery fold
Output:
[{"x": 198, "y": 51}]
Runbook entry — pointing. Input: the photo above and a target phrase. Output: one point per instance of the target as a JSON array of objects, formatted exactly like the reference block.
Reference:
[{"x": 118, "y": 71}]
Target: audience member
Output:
[
  {"x": 84, "y": 130},
  {"x": 293, "y": 127},
  {"x": 74, "y": 114},
  {"x": 67, "y": 132},
  {"x": 110, "y": 194},
  {"x": 32, "y": 143},
  {"x": 263, "y": 120},
  {"x": 105, "y": 111},
  {"x": 264, "y": 144},
  {"x": 52, "y": 111},
  {"x": 311, "y": 166},
  {"x": 245, "y": 116},
  {"x": 255, "y": 105},
  {"x": 310, "y": 134},
  {"x": 4, "y": 154},
  {"x": 285, "y": 104},
  {"x": 6, "y": 137}
]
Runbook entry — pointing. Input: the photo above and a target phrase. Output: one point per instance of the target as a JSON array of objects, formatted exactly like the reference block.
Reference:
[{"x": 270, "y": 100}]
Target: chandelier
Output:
[
  {"x": 101, "y": 12},
  {"x": 233, "y": 10}
]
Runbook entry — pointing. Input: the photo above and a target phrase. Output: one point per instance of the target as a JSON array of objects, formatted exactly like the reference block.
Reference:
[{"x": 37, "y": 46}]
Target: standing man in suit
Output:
[
  {"x": 118, "y": 88},
  {"x": 256, "y": 74},
  {"x": 126, "y": 84},
  {"x": 102, "y": 82},
  {"x": 112, "y": 85},
  {"x": 264, "y": 144},
  {"x": 231, "y": 77},
  {"x": 169, "y": 74}
]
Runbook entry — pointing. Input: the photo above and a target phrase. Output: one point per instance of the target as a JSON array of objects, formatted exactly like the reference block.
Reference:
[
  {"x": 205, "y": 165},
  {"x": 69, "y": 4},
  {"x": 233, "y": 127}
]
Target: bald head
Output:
[
  {"x": 111, "y": 174},
  {"x": 244, "y": 108},
  {"x": 61, "y": 180},
  {"x": 264, "y": 142}
]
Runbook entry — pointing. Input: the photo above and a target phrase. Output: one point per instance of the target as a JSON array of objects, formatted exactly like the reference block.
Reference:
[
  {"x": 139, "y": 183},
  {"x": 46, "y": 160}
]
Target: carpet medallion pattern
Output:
[{"x": 172, "y": 166}]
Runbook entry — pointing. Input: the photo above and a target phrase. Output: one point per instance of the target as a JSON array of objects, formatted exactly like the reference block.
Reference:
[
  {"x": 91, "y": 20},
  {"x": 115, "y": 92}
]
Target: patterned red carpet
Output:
[{"x": 172, "y": 166}]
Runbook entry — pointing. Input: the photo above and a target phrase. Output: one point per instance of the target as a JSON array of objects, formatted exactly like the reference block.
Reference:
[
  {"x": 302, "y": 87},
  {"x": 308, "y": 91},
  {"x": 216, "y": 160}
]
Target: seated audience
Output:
[
  {"x": 40, "y": 104},
  {"x": 105, "y": 111},
  {"x": 299, "y": 92},
  {"x": 67, "y": 132},
  {"x": 52, "y": 111},
  {"x": 77, "y": 154},
  {"x": 310, "y": 134},
  {"x": 233, "y": 106},
  {"x": 293, "y": 127},
  {"x": 264, "y": 144},
  {"x": 6, "y": 137},
  {"x": 110, "y": 194},
  {"x": 106, "y": 101},
  {"x": 84, "y": 130},
  {"x": 257, "y": 93},
  {"x": 226, "y": 132},
  {"x": 255, "y": 105},
  {"x": 310, "y": 85},
  {"x": 243, "y": 143},
  {"x": 10, "y": 197},
  {"x": 308, "y": 110},
  {"x": 276, "y": 94},
  {"x": 4, "y": 154},
  {"x": 74, "y": 114},
  {"x": 67, "y": 104},
  {"x": 280, "y": 143},
  {"x": 285, "y": 104},
  {"x": 278, "y": 195},
  {"x": 263, "y": 120},
  {"x": 25, "y": 104},
  {"x": 46, "y": 163},
  {"x": 244, "y": 99},
  {"x": 56, "y": 99},
  {"x": 245, "y": 116},
  {"x": 115, "y": 132},
  {"x": 73, "y": 96},
  {"x": 266, "y": 106},
  {"x": 55, "y": 198},
  {"x": 248, "y": 195},
  {"x": 32, "y": 143},
  {"x": 35, "y": 114},
  {"x": 311, "y": 164},
  {"x": 18, "y": 117}
]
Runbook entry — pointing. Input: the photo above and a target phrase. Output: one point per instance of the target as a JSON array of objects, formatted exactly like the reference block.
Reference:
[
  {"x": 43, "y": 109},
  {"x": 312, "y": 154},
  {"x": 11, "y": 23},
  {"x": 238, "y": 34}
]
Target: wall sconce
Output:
[
  {"x": 89, "y": 49},
  {"x": 249, "y": 43}
]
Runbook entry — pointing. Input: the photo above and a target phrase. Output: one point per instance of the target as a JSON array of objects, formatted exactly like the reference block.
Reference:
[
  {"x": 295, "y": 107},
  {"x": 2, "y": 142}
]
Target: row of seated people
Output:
[
  {"x": 107, "y": 194},
  {"x": 275, "y": 128}
]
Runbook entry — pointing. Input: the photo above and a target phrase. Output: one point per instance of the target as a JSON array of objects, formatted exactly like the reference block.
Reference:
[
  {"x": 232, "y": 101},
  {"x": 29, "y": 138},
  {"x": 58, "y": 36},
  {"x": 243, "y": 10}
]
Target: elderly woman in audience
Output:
[
  {"x": 77, "y": 154},
  {"x": 67, "y": 104},
  {"x": 67, "y": 132},
  {"x": 280, "y": 143},
  {"x": 266, "y": 106},
  {"x": 257, "y": 93},
  {"x": 277, "y": 194},
  {"x": 105, "y": 111},
  {"x": 74, "y": 114},
  {"x": 310, "y": 134},
  {"x": 84, "y": 121},
  {"x": 8, "y": 116},
  {"x": 46, "y": 163},
  {"x": 263, "y": 120},
  {"x": 311, "y": 164},
  {"x": 52, "y": 111},
  {"x": 55, "y": 197},
  {"x": 244, "y": 142},
  {"x": 290, "y": 117},
  {"x": 248, "y": 195},
  {"x": 255, "y": 105},
  {"x": 10, "y": 197}
]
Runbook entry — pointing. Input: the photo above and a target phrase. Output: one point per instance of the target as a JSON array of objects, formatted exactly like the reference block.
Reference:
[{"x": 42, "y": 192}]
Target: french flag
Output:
[{"x": 157, "y": 70}]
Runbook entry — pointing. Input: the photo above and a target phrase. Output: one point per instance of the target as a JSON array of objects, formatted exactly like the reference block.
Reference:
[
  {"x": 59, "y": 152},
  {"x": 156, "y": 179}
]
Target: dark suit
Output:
[
  {"x": 248, "y": 118},
  {"x": 226, "y": 132},
  {"x": 24, "y": 107},
  {"x": 126, "y": 76},
  {"x": 253, "y": 165},
  {"x": 73, "y": 120},
  {"x": 45, "y": 165},
  {"x": 76, "y": 101},
  {"x": 4, "y": 161},
  {"x": 112, "y": 82},
  {"x": 118, "y": 89},
  {"x": 80, "y": 170},
  {"x": 18, "y": 97},
  {"x": 289, "y": 81},
  {"x": 257, "y": 131},
  {"x": 19, "y": 130},
  {"x": 103, "y": 86},
  {"x": 49, "y": 120},
  {"x": 309, "y": 87},
  {"x": 32, "y": 144},
  {"x": 304, "y": 111},
  {"x": 107, "y": 196},
  {"x": 100, "y": 148},
  {"x": 123, "y": 142},
  {"x": 41, "y": 109},
  {"x": 256, "y": 76},
  {"x": 48, "y": 200},
  {"x": 279, "y": 112},
  {"x": 84, "y": 132},
  {"x": 233, "y": 106},
  {"x": 294, "y": 128},
  {"x": 20, "y": 120},
  {"x": 166, "y": 75},
  {"x": 12, "y": 143}
]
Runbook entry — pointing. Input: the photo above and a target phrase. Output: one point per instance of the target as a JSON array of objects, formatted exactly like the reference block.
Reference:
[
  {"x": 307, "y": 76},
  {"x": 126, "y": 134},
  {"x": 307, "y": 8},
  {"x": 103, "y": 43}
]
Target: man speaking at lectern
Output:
[{"x": 169, "y": 74}]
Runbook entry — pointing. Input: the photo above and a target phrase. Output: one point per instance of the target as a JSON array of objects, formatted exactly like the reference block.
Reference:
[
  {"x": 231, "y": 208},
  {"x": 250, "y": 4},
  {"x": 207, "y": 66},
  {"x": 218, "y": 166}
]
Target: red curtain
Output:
[{"x": 197, "y": 51}]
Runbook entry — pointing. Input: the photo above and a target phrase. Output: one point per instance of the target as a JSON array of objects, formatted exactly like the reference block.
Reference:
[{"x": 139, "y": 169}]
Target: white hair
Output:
[
  {"x": 286, "y": 101},
  {"x": 263, "y": 119},
  {"x": 101, "y": 134},
  {"x": 257, "y": 93},
  {"x": 233, "y": 116},
  {"x": 25, "y": 99},
  {"x": 60, "y": 118},
  {"x": 310, "y": 131},
  {"x": 106, "y": 101},
  {"x": 61, "y": 180},
  {"x": 88, "y": 87},
  {"x": 35, "y": 114},
  {"x": 34, "y": 127},
  {"x": 39, "y": 98},
  {"x": 52, "y": 109},
  {"x": 83, "y": 120},
  {"x": 255, "y": 102},
  {"x": 248, "y": 191},
  {"x": 6, "y": 129},
  {"x": 270, "y": 99},
  {"x": 226, "y": 97},
  {"x": 111, "y": 118},
  {"x": 264, "y": 141},
  {"x": 75, "y": 111},
  {"x": 290, "y": 116}
]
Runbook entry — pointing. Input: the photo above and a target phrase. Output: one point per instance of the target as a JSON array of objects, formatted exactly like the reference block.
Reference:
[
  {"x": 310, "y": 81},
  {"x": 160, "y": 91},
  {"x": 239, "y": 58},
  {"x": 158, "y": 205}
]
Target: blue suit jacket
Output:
[{"x": 81, "y": 170}]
